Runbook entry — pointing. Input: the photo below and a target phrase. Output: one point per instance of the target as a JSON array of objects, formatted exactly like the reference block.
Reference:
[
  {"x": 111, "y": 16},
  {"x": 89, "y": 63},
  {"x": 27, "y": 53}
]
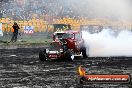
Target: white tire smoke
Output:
[{"x": 108, "y": 43}]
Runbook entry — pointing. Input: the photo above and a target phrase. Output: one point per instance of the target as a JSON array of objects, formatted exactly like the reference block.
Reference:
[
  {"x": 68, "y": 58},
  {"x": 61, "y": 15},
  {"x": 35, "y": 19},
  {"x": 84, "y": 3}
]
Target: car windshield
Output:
[
  {"x": 65, "y": 36},
  {"x": 59, "y": 35}
]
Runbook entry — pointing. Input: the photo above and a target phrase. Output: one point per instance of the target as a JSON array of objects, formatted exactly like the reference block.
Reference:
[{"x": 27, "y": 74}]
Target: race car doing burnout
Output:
[{"x": 65, "y": 45}]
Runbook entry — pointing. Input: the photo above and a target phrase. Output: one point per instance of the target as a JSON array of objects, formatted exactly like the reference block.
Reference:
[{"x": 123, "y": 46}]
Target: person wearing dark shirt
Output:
[{"x": 15, "y": 32}]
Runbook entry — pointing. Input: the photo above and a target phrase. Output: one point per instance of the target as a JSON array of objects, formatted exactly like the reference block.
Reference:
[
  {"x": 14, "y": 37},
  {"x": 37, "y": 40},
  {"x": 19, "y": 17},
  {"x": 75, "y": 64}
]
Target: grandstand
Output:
[
  {"x": 41, "y": 13},
  {"x": 41, "y": 26}
]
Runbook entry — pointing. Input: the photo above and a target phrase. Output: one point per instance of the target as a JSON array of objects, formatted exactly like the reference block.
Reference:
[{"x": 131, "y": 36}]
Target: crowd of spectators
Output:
[
  {"x": 27, "y": 9},
  {"x": 73, "y": 12}
]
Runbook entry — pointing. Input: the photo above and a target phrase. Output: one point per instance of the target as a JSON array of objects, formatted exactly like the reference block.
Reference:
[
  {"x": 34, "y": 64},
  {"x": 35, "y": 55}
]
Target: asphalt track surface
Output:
[{"x": 21, "y": 68}]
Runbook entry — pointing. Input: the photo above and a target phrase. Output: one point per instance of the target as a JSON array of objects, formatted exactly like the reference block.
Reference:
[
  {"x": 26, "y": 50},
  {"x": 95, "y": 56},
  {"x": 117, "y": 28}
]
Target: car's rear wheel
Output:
[{"x": 42, "y": 55}]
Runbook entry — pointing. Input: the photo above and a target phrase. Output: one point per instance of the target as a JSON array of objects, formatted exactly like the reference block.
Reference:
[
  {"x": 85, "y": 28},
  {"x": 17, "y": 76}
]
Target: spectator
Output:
[{"x": 15, "y": 32}]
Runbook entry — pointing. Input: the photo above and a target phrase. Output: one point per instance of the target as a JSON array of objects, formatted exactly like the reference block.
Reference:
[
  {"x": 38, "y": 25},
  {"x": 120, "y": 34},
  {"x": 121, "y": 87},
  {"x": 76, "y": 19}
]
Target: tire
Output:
[
  {"x": 42, "y": 55},
  {"x": 84, "y": 53},
  {"x": 69, "y": 55}
]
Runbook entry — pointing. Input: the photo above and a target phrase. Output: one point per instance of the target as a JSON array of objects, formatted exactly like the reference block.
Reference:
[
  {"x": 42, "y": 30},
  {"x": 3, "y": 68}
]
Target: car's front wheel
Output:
[
  {"x": 69, "y": 56},
  {"x": 42, "y": 55}
]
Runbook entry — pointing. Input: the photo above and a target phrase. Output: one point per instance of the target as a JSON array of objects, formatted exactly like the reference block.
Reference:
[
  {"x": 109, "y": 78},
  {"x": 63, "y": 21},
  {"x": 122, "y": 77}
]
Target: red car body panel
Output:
[{"x": 72, "y": 43}]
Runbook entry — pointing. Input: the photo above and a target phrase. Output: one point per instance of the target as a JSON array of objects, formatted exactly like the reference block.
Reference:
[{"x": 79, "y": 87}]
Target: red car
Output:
[{"x": 66, "y": 44}]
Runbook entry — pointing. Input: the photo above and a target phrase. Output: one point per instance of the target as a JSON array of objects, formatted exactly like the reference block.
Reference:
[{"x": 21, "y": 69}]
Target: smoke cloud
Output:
[
  {"x": 115, "y": 10},
  {"x": 108, "y": 43}
]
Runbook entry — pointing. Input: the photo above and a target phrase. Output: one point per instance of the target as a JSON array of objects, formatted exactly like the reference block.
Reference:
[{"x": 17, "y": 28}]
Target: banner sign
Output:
[
  {"x": 28, "y": 29},
  {"x": 61, "y": 27},
  {"x": 1, "y": 33}
]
